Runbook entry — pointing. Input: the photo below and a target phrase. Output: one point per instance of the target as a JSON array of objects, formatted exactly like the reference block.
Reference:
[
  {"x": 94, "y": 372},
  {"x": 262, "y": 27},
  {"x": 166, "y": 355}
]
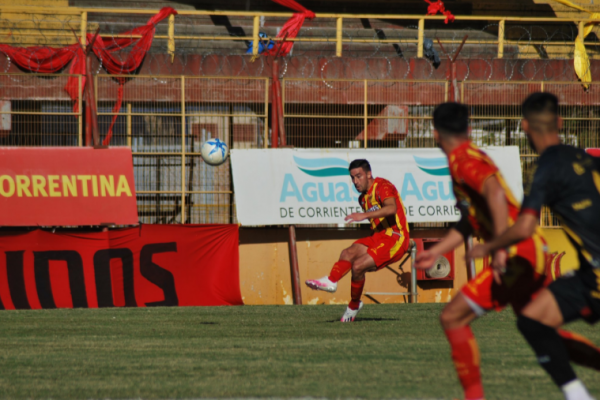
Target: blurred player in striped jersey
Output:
[
  {"x": 488, "y": 208},
  {"x": 568, "y": 181},
  {"x": 383, "y": 207}
]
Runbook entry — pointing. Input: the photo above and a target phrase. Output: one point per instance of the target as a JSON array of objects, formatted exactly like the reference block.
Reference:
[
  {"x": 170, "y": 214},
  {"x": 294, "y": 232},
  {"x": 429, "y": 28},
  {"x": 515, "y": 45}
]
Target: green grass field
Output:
[{"x": 391, "y": 351}]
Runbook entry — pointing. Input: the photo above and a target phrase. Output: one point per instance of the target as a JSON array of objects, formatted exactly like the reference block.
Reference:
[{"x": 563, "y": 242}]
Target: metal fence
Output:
[
  {"x": 35, "y": 110},
  {"x": 164, "y": 120}
]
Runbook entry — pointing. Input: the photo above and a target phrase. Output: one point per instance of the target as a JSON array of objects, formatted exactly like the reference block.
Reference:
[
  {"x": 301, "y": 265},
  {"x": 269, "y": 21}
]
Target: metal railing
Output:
[{"x": 52, "y": 25}]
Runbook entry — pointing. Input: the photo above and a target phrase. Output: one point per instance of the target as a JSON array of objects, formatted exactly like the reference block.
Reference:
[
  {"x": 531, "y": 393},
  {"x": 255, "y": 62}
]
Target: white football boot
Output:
[
  {"x": 350, "y": 314},
  {"x": 322, "y": 284}
]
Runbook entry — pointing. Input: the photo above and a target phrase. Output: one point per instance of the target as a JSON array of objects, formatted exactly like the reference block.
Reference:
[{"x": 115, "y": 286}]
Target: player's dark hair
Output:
[
  {"x": 451, "y": 119},
  {"x": 541, "y": 112},
  {"x": 364, "y": 164},
  {"x": 540, "y": 103}
]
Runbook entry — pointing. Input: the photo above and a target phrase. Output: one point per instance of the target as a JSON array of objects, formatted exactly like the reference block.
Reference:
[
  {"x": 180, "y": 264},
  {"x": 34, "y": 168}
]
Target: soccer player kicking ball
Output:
[
  {"x": 384, "y": 208},
  {"x": 567, "y": 180},
  {"x": 487, "y": 208}
]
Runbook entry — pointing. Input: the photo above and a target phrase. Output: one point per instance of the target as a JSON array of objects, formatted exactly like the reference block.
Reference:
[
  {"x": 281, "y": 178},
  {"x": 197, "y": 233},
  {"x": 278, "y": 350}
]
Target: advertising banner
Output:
[
  {"x": 150, "y": 265},
  {"x": 313, "y": 186},
  {"x": 66, "y": 186}
]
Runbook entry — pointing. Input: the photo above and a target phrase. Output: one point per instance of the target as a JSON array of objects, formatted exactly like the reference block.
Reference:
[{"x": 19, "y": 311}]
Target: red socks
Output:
[
  {"x": 356, "y": 289},
  {"x": 465, "y": 354},
  {"x": 339, "y": 269}
]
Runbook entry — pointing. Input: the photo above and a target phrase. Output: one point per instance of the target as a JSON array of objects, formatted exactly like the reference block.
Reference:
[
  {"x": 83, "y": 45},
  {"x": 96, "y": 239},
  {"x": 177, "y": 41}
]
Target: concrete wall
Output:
[{"x": 265, "y": 267}]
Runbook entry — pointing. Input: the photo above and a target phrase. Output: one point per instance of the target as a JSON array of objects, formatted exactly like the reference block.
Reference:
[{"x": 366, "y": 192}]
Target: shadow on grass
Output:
[{"x": 367, "y": 320}]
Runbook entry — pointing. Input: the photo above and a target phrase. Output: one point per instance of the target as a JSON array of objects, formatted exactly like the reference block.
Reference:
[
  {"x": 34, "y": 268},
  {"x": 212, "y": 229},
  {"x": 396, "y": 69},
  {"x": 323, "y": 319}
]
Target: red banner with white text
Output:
[
  {"x": 150, "y": 265},
  {"x": 66, "y": 186}
]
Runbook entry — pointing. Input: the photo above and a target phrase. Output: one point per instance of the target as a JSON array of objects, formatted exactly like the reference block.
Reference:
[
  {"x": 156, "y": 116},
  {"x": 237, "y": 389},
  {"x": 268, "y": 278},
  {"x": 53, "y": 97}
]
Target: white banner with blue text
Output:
[{"x": 313, "y": 186}]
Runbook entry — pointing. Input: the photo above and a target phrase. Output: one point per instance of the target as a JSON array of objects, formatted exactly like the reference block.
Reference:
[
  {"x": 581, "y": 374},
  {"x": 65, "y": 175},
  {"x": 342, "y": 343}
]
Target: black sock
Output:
[{"x": 549, "y": 348}]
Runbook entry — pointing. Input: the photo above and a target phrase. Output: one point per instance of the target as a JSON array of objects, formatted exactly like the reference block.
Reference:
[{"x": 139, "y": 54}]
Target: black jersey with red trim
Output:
[{"x": 567, "y": 180}]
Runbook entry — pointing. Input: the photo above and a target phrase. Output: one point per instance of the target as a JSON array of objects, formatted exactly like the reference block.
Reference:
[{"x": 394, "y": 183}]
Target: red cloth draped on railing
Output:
[
  {"x": 291, "y": 28},
  {"x": 45, "y": 60},
  {"x": 438, "y": 6},
  {"x": 104, "y": 47},
  {"x": 50, "y": 60}
]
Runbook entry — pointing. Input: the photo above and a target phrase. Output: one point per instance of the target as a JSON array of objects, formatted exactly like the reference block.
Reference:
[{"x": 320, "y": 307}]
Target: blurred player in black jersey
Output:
[{"x": 567, "y": 180}]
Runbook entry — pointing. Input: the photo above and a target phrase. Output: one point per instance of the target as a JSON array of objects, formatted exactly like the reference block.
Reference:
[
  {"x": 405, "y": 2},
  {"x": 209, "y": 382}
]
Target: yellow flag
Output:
[
  {"x": 582, "y": 63},
  {"x": 171, "y": 42},
  {"x": 572, "y": 5},
  {"x": 581, "y": 59},
  {"x": 590, "y": 25}
]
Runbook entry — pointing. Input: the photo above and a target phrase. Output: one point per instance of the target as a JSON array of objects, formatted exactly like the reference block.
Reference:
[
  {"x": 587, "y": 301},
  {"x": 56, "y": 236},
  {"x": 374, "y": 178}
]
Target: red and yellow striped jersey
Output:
[
  {"x": 373, "y": 200},
  {"x": 470, "y": 168}
]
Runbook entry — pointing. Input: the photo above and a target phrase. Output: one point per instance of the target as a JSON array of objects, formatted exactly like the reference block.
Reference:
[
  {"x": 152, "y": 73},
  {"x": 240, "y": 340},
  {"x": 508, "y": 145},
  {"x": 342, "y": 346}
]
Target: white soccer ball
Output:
[{"x": 214, "y": 151}]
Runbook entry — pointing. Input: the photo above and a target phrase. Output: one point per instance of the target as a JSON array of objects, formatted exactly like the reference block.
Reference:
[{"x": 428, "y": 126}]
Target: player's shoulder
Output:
[
  {"x": 468, "y": 158},
  {"x": 379, "y": 180},
  {"x": 561, "y": 152},
  {"x": 577, "y": 161},
  {"x": 556, "y": 157},
  {"x": 385, "y": 188},
  {"x": 382, "y": 182},
  {"x": 468, "y": 151}
]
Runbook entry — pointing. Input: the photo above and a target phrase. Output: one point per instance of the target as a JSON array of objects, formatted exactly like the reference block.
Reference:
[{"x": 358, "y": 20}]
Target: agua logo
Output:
[
  {"x": 433, "y": 166},
  {"x": 430, "y": 190},
  {"x": 311, "y": 191}
]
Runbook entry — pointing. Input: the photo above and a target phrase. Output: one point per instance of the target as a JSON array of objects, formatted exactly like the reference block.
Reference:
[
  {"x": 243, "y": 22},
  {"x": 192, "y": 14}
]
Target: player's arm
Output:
[
  {"x": 523, "y": 228},
  {"x": 389, "y": 208},
  {"x": 482, "y": 177},
  {"x": 536, "y": 195},
  {"x": 495, "y": 198},
  {"x": 454, "y": 238},
  {"x": 426, "y": 259}
]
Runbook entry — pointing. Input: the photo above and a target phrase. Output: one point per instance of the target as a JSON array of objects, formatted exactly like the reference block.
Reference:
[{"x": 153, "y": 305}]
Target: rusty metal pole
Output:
[
  {"x": 294, "y": 270},
  {"x": 274, "y": 108},
  {"x": 280, "y": 114},
  {"x": 91, "y": 98},
  {"x": 454, "y": 80},
  {"x": 413, "y": 273},
  {"x": 88, "y": 119},
  {"x": 471, "y": 270},
  {"x": 454, "y": 93},
  {"x": 91, "y": 113}
]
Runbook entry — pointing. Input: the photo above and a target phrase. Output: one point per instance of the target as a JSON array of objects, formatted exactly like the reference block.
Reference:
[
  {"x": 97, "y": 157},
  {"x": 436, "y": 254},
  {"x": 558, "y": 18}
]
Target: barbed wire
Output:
[{"x": 380, "y": 52}]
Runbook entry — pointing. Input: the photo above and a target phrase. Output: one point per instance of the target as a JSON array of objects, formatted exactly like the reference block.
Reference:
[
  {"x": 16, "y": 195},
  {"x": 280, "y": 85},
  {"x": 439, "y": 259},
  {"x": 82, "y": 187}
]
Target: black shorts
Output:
[{"x": 578, "y": 295}]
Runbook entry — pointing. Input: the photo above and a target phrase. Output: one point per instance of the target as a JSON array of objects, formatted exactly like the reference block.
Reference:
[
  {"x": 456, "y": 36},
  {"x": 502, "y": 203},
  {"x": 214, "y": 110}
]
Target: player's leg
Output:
[
  {"x": 539, "y": 322},
  {"x": 360, "y": 266},
  {"x": 347, "y": 257},
  {"x": 581, "y": 350},
  {"x": 526, "y": 282},
  {"x": 382, "y": 249},
  {"x": 455, "y": 320},
  {"x": 339, "y": 270}
]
